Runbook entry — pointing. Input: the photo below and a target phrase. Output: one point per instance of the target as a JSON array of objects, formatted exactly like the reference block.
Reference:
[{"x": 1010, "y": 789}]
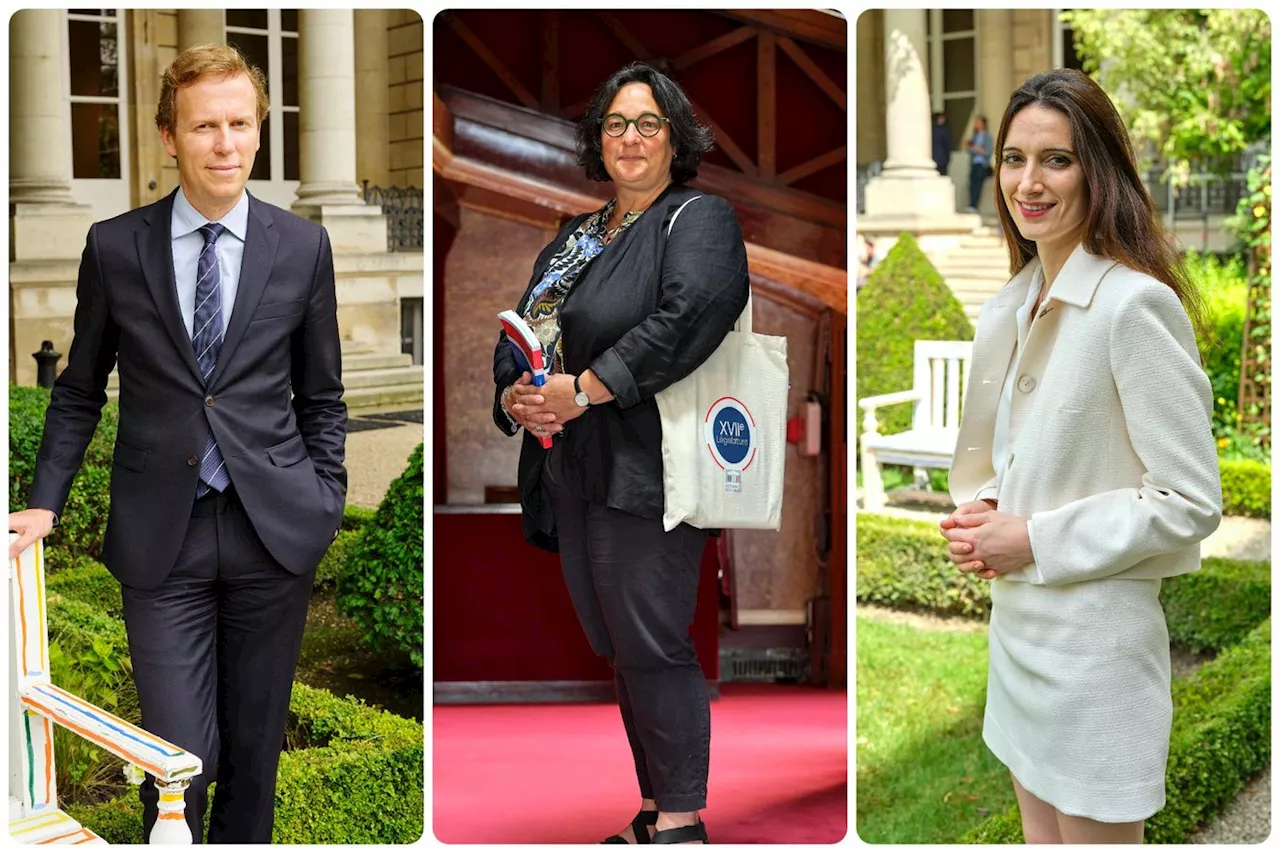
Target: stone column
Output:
[
  {"x": 995, "y": 80},
  {"x": 909, "y": 188},
  {"x": 373, "y": 100},
  {"x": 327, "y": 192},
  {"x": 39, "y": 126},
  {"x": 200, "y": 26},
  {"x": 44, "y": 213}
]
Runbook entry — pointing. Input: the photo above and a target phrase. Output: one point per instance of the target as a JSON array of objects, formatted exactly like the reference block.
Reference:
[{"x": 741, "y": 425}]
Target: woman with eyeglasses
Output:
[{"x": 626, "y": 300}]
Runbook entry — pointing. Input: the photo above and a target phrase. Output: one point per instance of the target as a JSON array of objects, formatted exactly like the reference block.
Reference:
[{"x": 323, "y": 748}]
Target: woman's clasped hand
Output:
[
  {"x": 985, "y": 541},
  {"x": 527, "y": 404}
]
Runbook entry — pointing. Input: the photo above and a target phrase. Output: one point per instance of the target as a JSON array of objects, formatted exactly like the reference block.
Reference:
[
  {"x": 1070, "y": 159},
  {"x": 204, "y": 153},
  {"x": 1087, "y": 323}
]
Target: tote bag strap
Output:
[{"x": 744, "y": 320}]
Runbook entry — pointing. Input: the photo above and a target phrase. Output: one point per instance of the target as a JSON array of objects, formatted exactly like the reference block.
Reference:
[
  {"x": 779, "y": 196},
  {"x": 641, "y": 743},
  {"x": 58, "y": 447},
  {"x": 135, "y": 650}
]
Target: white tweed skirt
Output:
[{"x": 1078, "y": 694}]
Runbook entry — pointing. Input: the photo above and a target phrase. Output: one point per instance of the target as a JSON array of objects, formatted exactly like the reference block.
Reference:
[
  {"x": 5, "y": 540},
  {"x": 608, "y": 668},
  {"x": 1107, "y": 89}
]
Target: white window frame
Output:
[
  {"x": 276, "y": 191},
  {"x": 107, "y": 196},
  {"x": 937, "y": 95}
]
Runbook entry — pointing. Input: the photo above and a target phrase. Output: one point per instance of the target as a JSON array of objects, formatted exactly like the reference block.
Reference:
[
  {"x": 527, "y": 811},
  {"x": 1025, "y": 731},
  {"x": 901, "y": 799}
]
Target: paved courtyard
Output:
[{"x": 378, "y": 446}]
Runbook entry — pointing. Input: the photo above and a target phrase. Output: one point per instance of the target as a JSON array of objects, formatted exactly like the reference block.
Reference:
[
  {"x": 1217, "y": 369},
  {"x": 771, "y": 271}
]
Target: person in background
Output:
[
  {"x": 626, "y": 309},
  {"x": 1085, "y": 469},
  {"x": 941, "y": 143},
  {"x": 979, "y": 145}
]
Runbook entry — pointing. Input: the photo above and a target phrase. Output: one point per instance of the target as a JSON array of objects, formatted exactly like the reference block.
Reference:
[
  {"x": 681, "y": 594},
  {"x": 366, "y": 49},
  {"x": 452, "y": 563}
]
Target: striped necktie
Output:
[{"x": 207, "y": 342}]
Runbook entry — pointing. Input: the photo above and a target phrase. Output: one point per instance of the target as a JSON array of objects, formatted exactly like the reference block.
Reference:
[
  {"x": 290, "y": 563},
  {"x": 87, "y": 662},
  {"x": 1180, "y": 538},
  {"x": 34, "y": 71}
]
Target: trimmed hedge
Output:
[
  {"x": 331, "y": 565},
  {"x": 1246, "y": 488},
  {"x": 86, "y": 580},
  {"x": 84, "y": 518},
  {"x": 381, "y": 586},
  {"x": 904, "y": 300},
  {"x": 903, "y": 563},
  {"x": 356, "y": 517},
  {"x": 1221, "y": 738},
  {"x": 361, "y": 784}
]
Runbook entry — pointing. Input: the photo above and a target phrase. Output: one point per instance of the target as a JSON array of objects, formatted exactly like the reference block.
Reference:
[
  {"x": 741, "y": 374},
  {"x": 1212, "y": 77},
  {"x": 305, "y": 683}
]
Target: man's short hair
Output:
[{"x": 219, "y": 60}]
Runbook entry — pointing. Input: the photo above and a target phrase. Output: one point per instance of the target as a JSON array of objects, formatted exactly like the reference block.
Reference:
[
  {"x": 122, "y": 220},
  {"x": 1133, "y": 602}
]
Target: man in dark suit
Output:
[{"x": 228, "y": 481}]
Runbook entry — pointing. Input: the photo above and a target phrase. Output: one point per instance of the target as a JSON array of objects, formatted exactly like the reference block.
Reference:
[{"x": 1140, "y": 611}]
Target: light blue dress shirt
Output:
[{"x": 188, "y": 243}]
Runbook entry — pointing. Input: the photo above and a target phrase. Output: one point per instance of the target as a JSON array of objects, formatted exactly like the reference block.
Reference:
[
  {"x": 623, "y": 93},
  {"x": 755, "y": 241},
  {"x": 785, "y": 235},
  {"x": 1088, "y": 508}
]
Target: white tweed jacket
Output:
[{"x": 1112, "y": 456}]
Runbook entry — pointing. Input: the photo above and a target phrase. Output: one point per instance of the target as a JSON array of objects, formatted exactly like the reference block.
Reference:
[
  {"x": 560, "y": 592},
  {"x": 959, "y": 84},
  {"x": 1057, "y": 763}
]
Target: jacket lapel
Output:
[
  {"x": 155, "y": 256},
  {"x": 260, "y": 244}
]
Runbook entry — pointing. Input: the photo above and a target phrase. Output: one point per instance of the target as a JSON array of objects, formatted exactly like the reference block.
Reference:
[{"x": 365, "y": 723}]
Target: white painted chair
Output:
[
  {"x": 940, "y": 374},
  {"x": 36, "y": 704}
]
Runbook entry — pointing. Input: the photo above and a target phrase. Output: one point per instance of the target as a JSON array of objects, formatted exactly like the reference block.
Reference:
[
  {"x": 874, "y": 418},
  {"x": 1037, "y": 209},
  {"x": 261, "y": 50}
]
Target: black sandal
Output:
[
  {"x": 681, "y": 834},
  {"x": 639, "y": 827}
]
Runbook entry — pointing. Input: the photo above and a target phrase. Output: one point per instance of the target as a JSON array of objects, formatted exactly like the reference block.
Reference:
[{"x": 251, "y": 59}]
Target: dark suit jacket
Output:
[
  {"x": 274, "y": 399},
  {"x": 646, "y": 313}
]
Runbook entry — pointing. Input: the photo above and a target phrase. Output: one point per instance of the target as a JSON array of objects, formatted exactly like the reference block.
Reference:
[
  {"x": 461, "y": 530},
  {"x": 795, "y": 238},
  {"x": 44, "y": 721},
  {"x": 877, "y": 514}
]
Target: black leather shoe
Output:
[{"x": 639, "y": 827}]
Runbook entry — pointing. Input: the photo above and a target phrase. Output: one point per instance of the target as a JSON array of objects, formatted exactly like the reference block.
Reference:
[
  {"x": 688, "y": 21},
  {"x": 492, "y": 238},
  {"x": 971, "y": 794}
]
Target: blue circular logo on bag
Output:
[{"x": 731, "y": 433}]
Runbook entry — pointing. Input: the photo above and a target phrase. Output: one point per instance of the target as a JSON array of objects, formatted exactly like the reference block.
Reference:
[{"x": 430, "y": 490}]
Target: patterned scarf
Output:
[{"x": 542, "y": 310}]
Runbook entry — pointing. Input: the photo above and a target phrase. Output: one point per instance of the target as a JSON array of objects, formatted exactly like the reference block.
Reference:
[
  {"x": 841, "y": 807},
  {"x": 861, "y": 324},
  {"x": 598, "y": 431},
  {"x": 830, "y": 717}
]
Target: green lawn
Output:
[{"x": 924, "y": 774}]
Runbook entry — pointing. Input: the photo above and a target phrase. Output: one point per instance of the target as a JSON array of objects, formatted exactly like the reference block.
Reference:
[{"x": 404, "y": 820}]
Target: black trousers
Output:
[
  {"x": 214, "y": 650},
  {"x": 635, "y": 589},
  {"x": 977, "y": 178}
]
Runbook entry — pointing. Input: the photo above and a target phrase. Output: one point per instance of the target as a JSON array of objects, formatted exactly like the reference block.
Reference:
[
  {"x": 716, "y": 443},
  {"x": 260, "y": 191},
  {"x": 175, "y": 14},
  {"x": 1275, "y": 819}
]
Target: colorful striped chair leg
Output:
[{"x": 171, "y": 827}]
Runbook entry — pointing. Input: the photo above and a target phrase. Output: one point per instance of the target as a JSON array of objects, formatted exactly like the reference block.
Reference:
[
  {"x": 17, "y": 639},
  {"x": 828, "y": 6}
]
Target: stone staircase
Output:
[
  {"x": 975, "y": 269},
  {"x": 372, "y": 383}
]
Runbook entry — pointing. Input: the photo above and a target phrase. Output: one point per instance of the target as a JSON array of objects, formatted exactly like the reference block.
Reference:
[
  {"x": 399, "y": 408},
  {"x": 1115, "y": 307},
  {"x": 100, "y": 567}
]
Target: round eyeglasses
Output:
[{"x": 648, "y": 124}]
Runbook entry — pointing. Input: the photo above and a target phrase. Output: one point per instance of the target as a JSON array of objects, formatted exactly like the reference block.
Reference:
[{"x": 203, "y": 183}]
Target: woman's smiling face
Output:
[{"x": 1041, "y": 178}]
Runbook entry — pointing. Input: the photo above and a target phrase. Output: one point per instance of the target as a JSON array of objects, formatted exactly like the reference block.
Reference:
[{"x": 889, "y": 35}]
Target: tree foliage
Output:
[{"x": 1196, "y": 84}]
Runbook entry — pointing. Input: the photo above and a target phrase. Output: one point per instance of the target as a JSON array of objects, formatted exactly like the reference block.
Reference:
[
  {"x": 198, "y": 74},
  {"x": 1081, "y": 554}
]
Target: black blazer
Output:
[
  {"x": 274, "y": 399},
  {"x": 645, "y": 313}
]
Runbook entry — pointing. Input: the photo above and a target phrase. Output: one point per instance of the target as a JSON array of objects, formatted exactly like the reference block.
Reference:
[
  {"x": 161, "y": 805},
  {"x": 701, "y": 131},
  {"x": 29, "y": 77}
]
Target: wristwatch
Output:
[{"x": 579, "y": 396}]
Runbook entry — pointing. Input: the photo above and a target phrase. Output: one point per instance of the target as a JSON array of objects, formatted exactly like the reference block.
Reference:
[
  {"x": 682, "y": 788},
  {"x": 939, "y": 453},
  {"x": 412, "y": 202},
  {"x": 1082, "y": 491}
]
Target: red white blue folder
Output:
[{"x": 528, "y": 352}]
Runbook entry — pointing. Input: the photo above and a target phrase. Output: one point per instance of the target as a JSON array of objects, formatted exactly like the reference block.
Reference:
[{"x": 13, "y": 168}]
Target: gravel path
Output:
[{"x": 375, "y": 457}]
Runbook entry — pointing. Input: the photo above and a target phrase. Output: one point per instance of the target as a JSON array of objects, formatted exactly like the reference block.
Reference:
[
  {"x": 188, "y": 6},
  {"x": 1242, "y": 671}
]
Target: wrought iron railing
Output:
[{"x": 403, "y": 208}]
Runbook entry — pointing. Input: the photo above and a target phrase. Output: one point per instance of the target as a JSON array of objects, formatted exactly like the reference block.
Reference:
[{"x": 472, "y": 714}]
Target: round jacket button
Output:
[
  {"x": 208, "y": 401},
  {"x": 193, "y": 461},
  {"x": 1026, "y": 384}
]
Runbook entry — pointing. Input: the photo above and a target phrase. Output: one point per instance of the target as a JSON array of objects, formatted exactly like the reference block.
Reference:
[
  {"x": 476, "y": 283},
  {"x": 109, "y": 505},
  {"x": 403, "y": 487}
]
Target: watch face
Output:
[{"x": 581, "y": 399}]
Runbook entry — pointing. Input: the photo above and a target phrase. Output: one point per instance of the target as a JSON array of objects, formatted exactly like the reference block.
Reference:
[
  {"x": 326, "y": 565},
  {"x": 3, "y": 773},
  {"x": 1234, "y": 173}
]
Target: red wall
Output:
[{"x": 501, "y": 611}]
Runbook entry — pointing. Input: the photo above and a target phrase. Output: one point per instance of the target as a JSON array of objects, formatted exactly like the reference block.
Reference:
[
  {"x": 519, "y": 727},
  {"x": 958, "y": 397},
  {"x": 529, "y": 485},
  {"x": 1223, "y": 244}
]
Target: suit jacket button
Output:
[
  {"x": 208, "y": 401},
  {"x": 1026, "y": 384},
  {"x": 193, "y": 461}
]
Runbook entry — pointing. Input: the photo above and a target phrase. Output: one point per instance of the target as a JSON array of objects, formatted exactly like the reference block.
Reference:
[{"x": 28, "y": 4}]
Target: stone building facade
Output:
[
  {"x": 346, "y": 90},
  {"x": 964, "y": 63}
]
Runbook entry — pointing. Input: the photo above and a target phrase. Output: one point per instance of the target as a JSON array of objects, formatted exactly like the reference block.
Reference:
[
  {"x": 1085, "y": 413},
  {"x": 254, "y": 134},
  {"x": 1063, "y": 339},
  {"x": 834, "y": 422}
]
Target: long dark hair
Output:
[
  {"x": 1122, "y": 223},
  {"x": 689, "y": 139}
]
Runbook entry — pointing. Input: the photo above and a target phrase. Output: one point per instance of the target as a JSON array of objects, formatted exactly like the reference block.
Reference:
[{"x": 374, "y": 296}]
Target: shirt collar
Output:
[{"x": 186, "y": 219}]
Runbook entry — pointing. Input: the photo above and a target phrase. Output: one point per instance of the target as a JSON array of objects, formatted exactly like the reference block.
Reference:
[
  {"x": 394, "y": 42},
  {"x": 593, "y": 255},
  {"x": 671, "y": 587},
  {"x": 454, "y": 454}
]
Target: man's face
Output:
[{"x": 215, "y": 139}]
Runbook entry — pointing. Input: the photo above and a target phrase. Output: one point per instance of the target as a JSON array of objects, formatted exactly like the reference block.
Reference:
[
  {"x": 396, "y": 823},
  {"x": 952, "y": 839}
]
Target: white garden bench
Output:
[
  {"x": 36, "y": 704},
  {"x": 940, "y": 374}
]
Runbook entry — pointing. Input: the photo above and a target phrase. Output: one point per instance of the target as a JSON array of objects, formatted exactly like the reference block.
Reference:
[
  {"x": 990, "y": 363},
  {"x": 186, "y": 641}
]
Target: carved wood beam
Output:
[
  {"x": 725, "y": 142},
  {"x": 549, "y": 24},
  {"x": 624, "y": 35},
  {"x": 464, "y": 32},
  {"x": 828, "y": 285},
  {"x": 766, "y": 104},
  {"x": 711, "y": 48},
  {"x": 817, "y": 164},
  {"x": 817, "y": 27},
  {"x": 816, "y": 74},
  {"x": 441, "y": 120}
]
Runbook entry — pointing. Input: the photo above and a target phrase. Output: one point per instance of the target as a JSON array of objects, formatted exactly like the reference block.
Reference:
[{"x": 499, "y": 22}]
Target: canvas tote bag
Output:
[{"x": 724, "y": 432}]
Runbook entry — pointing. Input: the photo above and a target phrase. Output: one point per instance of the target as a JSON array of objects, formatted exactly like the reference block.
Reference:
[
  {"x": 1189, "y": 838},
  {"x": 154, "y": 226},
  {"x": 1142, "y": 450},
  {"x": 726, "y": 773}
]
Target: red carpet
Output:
[{"x": 540, "y": 774}]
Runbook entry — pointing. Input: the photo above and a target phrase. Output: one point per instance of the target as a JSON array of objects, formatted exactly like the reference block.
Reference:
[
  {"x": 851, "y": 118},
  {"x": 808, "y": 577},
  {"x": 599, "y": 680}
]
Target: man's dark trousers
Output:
[{"x": 214, "y": 650}]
